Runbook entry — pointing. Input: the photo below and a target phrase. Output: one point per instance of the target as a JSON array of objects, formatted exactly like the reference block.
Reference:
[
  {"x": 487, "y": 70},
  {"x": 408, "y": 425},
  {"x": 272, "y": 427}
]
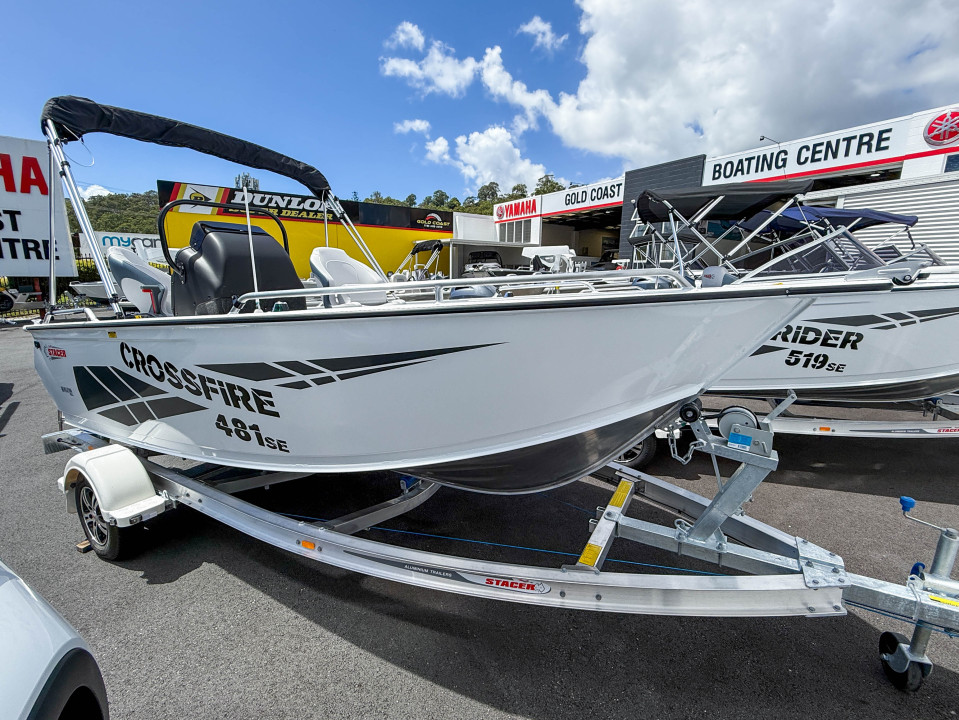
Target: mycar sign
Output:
[
  {"x": 146, "y": 246},
  {"x": 24, "y": 213},
  {"x": 930, "y": 132}
]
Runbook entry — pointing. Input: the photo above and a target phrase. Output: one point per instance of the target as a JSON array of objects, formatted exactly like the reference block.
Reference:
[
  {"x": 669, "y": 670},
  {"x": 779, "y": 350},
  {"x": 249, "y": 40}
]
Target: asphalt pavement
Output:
[{"x": 205, "y": 622}]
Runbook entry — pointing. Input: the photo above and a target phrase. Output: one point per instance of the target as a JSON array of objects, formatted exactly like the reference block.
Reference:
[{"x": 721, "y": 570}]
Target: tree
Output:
[
  {"x": 518, "y": 192},
  {"x": 246, "y": 180},
  {"x": 119, "y": 212},
  {"x": 381, "y": 199},
  {"x": 410, "y": 200},
  {"x": 547, "y": 184},
  {"x": 488, "y": 192}
]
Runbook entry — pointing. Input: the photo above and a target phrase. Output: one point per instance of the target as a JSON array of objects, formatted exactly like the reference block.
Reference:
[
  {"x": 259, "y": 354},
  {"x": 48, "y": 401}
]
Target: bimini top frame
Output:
[
  {"x": 65, "y": 119},
  {"x": 687, "y": 206}
]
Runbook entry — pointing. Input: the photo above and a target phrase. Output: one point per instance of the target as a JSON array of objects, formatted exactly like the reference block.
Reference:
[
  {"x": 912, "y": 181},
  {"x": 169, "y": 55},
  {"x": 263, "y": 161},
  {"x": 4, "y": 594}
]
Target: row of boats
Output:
[{"x": 736, "y": 289}]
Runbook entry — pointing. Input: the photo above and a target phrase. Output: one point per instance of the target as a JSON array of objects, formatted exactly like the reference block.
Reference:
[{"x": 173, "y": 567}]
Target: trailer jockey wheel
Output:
[
  {"x": 105, "y": 539},
  {"x": 913, "y": 676},
  {"x": 691, "y": 411}
]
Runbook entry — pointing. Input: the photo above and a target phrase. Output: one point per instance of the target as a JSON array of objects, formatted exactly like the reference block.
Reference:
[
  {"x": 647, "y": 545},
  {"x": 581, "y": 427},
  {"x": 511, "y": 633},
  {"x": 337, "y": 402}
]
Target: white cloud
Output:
[
  {"x": 543, "y": 34},
  {"x": 502, "y": 86},
  {"x": 438, "y": 151},
  {"x": 487, "y": 156},
  {"x": 93, "y": 191},
  {"x": 407, "y": 126},
  {"x": 668, "y": 80},
  {"x": 439, "y": 72},
  {"x": 406, "y": 35},
  {"x": 674, "y": 95}
]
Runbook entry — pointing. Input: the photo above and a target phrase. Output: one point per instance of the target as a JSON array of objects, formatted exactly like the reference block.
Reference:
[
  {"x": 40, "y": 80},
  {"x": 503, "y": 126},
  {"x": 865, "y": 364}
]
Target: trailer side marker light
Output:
[
  {"x": 947, "y": 601},
  {"x": 111, "y": 334},
  {"x": 307, "y": 544},
  {"x": 590, "y": 555},
  {"x": 619, "y": 497},
  {"x": 825, "y": 429}
]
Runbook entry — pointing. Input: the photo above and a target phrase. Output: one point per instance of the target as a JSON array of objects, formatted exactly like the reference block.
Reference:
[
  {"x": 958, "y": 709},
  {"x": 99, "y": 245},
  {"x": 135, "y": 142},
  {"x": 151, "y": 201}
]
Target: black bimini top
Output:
[
  {"x": 740, "y": 200},
  {"x": 427, "y": 245},
  {"x": 74, "y": 117}
]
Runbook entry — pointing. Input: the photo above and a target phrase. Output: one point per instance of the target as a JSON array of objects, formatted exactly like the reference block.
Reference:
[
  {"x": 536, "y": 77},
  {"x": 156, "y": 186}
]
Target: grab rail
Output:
[
  {"x": 70, "y": 311},
  {"x": 437, "y": 286}
]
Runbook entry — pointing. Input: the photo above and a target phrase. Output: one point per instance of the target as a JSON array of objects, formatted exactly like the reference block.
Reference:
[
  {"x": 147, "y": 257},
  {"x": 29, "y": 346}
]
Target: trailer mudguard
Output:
[{"x": 122, "y": 485}]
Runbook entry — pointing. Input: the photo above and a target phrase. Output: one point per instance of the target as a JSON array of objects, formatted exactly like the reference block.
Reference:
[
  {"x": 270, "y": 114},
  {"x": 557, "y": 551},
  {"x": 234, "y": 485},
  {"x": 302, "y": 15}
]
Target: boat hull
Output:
[
  {"x": 473, "y": 393},
  {"x": 882, "y": 347}
]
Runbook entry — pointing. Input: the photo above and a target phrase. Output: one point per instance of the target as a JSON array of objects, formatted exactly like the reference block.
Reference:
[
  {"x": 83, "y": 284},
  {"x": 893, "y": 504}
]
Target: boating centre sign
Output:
[
  {"x": 926, "y": 133},
  {"x": 25, "y": 215}
]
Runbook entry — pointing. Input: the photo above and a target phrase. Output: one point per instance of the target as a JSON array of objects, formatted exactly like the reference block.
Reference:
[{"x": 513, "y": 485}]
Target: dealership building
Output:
[{"x": 907, "y": 165}]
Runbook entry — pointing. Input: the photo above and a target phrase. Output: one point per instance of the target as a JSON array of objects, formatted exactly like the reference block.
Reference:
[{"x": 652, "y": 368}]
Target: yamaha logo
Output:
[
  {"x": 518, "y": 209},
  {"x": 943, "y": 129}
]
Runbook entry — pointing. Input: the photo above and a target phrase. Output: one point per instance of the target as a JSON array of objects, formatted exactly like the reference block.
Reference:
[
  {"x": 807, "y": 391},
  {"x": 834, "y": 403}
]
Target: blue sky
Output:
[{"x": 586, "y": 90}]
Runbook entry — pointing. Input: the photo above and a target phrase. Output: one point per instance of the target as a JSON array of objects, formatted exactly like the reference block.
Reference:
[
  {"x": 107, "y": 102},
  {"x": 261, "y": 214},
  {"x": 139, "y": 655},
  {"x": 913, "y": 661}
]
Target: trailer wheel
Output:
[
  {"x": 105, "y": 539},
  {"x": 912, "y": 678},
  {"x": 641, "y": 454}
]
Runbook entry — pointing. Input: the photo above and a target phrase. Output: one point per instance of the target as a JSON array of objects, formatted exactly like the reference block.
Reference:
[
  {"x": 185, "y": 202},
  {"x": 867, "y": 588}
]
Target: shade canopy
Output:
[
  {"x": 794, "y": 219},
  {"x": 74, "y": 117},
  {"x": 739, "y": 200}
]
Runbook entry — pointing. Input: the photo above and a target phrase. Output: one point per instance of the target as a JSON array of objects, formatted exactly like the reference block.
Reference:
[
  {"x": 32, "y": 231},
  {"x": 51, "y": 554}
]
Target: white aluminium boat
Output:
[
  {"x": 888, "y": 347},
  {"x": 471, "y": 389}
]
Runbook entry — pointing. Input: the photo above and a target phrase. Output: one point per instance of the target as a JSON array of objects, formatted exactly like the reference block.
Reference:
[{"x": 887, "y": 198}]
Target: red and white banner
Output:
[{"x": 24, "y": 213}]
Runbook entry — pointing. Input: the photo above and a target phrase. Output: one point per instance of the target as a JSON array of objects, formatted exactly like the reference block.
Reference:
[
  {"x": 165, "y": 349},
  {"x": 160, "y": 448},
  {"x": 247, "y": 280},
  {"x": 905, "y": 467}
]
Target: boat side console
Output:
[{"x": 216, "y": 269}]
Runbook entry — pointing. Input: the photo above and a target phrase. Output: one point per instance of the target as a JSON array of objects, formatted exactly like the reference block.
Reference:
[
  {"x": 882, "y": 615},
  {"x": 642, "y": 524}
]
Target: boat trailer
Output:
[{"x": 112, "y": 487}]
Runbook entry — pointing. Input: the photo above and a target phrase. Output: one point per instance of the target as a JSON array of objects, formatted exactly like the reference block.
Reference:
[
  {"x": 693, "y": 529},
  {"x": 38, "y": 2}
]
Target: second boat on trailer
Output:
[{"x": 903, "y": 346}]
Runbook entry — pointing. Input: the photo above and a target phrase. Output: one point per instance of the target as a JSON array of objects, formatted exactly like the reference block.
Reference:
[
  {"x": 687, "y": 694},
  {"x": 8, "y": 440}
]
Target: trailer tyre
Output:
[
  {"x": 641, "y": 454},
  {"x": 108, "y": 541},
  {"x": 912, "y": 678}
]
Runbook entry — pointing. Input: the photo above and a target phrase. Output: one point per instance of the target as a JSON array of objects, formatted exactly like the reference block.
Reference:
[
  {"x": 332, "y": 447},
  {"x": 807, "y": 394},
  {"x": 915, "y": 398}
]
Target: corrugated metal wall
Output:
[{"x": 936, "y": 205}]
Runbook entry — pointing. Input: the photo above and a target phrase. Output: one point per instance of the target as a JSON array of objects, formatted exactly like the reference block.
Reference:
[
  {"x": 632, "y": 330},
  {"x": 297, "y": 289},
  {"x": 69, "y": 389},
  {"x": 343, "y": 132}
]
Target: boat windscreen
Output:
[
  {"x": 74, "y": 117},
  {"x": 838, "y": 254}
]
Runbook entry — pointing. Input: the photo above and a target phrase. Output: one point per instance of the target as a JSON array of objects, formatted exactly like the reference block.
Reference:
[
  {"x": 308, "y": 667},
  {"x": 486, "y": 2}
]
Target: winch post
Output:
[{"x": 729, "y": 500}]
